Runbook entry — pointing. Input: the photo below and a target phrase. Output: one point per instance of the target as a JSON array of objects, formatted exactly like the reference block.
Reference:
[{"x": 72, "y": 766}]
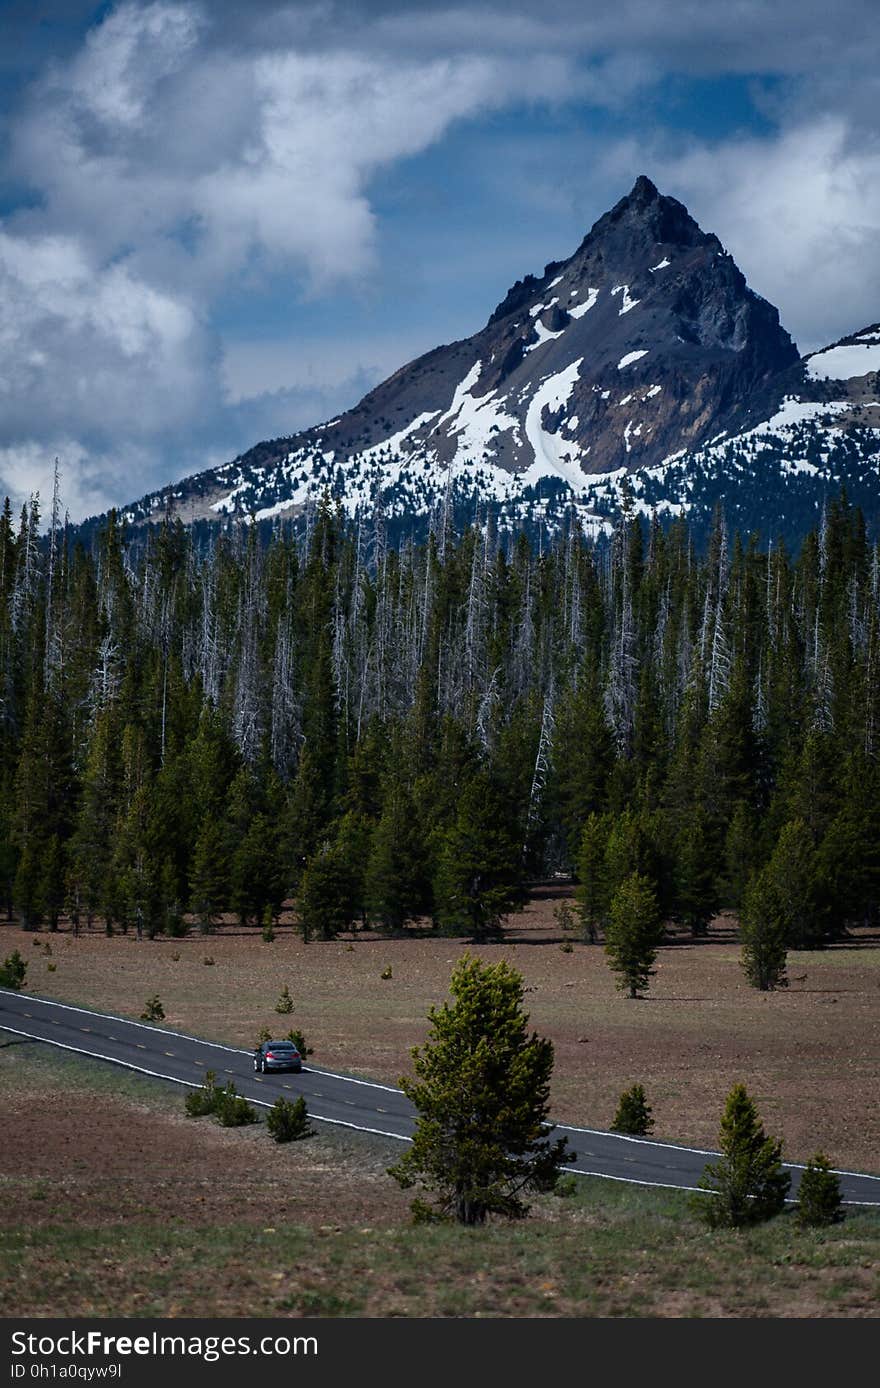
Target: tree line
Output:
[{"x": 191, "y": 728}]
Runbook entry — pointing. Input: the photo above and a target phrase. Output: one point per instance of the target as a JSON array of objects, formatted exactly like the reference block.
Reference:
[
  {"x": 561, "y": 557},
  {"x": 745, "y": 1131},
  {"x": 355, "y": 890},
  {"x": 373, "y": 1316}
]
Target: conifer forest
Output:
[{"x": 193, "y": 727}]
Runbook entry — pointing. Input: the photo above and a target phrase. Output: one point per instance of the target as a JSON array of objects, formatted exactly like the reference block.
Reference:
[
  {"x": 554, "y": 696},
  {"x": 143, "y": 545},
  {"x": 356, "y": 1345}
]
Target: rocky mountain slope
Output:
[{"x": 644, "y": 356}]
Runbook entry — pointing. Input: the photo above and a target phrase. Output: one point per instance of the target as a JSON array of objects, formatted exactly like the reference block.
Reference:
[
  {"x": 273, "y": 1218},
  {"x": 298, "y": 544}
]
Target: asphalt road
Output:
[{"x": 340, "y": 1099}]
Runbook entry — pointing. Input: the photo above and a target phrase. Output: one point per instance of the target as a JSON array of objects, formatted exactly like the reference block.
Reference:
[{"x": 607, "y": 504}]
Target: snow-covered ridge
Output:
[{"x": 845, "y": 363}]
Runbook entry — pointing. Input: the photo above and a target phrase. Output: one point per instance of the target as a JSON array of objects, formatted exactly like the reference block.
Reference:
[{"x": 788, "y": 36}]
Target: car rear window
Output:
[{"x": 281, "y": 1046}]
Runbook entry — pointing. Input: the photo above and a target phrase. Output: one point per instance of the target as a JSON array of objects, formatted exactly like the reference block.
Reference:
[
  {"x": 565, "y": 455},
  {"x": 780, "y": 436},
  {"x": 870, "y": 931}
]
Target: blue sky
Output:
[{"x": 222, "y": 222}]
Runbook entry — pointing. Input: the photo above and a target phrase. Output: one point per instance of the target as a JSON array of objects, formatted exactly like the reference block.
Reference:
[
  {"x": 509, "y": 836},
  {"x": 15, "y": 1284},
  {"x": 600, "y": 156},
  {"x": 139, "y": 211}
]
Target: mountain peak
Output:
[
  {"x": 643, "y": 191},
  {"x": 647, "y": 218},
  {"x": 644, "y": 344}
]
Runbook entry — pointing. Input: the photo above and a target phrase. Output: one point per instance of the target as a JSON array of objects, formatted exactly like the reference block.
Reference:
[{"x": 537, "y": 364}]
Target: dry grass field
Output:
[
  {"x": 808, "y": 1054},
  {"x": 112, "y": 1202}
]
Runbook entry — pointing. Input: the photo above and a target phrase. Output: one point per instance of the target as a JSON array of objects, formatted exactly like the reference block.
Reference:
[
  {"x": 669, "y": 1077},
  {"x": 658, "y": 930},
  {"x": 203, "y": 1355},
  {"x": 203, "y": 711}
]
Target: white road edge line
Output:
[
  {"x": 378, "y": 1132},
  {"x": 699, "y": 1151},
  {"x": 190, "y": 1084},
  {"x": 642, "y": 1141},
  {"x": 164, "y": 1031},
  {"x": 698, "y": 1190},
  {"x": 389, "y": 1089},
  {"x": 128, "y": 1021}
]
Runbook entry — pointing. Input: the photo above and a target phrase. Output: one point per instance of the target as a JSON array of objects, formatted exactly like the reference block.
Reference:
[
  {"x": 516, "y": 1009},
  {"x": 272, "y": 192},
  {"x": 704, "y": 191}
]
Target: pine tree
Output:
[
  {"x": 13, "y": 971},
  {"x": 763, "y": 933},
  {"x": 633, "y": 932},
  {"x": 326, "y": 902},
  {"x": 591, "y": 892},
  {"x": 740, "y": 854},
  {"x": 748, "y": 1184},
  {"x": 630, "y": 849},
  {"x": 633, "y": 1115},
  {"x": 819, "y": 1199},
  {"x": 792, "y": 869},
  {"x": 479, "y": 876},
  {"x": 209, "y": 881},
  {"x": 482, "y": 1093},
  {"x": 397, "y": 886},
  {"x": 288, "y": 1121},
  {"x": 696, "y": 894},
  {"x": 50, "y": 889}
]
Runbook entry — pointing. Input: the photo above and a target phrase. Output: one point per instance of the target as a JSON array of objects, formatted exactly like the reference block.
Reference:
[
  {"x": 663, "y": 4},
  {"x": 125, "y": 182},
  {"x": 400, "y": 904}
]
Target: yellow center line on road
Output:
[
  {"x": 381, "y": 1110},
  {"x": 85, "y": 1029},
  {"x": 171, "y": 1053},
  {"x": 140, "y": 1045}
]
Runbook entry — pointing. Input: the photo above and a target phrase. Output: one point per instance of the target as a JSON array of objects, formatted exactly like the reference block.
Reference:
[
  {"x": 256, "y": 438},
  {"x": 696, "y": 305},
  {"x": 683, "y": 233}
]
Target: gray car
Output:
[{"x": 277, "y": 1055}]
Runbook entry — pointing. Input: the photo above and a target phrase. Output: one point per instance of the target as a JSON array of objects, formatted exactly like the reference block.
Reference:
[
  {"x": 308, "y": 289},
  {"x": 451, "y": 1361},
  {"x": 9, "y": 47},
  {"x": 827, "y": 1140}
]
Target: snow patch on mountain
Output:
[
  {"x": 392, "y": 444},
  {"x": 578, "y": 310},
  {"x": 542, "y": 308},
  {"x": 554, "y": 456},
  {"x": 844, "y": 363},
  {"x": 628, "y": 302},
  {"x": 631, "y": 356},
  {"x": 476, "y": 419},
  {"x": 544, "y": 335}
]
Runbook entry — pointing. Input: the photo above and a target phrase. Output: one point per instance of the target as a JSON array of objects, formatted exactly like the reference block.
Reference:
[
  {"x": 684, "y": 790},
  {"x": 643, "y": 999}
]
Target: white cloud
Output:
[
  {"x": 255, "y": 367},
  {"x": 190, "y": 153},
  {"x": 89, "y": 348},
  {"x": 89, "y": 482},
  {"x": 800, "y": 213},
  {"x": 168, "y": 170}
]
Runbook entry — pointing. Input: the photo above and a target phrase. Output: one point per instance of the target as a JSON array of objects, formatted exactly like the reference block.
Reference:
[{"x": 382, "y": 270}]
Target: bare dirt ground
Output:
[
  {"x": 808, "y": 1055},
  {"x": 93, "y": 1152},
  {"x": 112, "y": 1202}
]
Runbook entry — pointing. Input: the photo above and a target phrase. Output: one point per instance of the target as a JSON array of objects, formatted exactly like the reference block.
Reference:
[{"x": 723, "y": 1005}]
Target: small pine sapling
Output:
[
  {"x": 204, "y": 1100},
  {"x": 819, "y": 1198},
  {"x": 284, "y": 1005},
  {"x": 153, "y": 1010},
  {"x": 633, "y": 1116},
  {"x": 747, "y": 1184},
  {"x": 12, "y": 971},
  {"x": 234, "y": 1111},
  {"x": 300, "y": 1042},
  {"x": 564, "y": 916},
  {"x": 289, "y": 1121}
]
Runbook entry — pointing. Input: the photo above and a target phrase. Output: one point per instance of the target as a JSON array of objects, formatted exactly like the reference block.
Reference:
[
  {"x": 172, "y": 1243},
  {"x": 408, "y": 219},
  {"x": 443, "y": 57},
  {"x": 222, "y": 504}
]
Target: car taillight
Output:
[{"x": 270, "y": 1055}]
